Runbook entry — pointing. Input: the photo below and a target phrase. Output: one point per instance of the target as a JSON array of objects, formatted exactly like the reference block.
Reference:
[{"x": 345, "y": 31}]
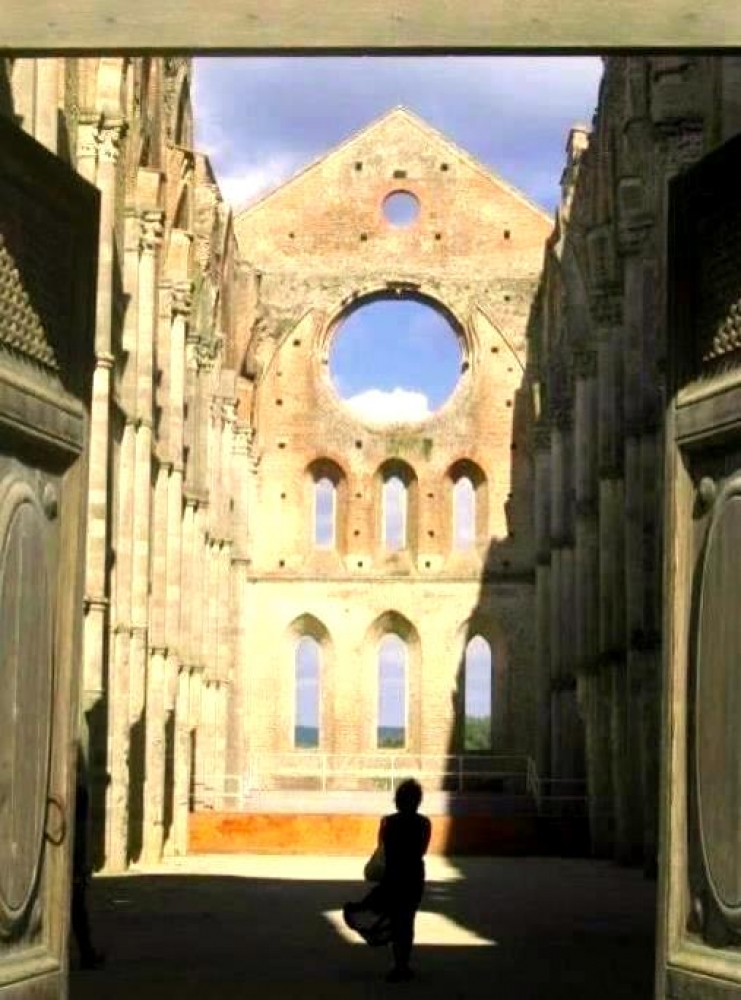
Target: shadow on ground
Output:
[{"x": 511, "y": 928}]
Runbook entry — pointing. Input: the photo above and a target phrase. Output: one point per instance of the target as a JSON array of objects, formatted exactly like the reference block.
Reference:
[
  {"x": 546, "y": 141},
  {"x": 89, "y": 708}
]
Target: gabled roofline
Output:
[{"x": 399, "y": 111}]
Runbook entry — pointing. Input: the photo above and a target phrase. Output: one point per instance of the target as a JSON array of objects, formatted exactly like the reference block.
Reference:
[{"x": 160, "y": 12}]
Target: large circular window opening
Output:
[
  {"x": 394, "y": 361},
  {"x": 401, "y": 208}
]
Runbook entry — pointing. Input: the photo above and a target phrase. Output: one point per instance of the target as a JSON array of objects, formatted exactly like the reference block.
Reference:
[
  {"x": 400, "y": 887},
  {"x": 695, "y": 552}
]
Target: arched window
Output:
[
  {"x": 478, "y": 694},
  {"x": 464, "y": 514},
  {"x": 468, "y": 498},
  {"x": 394, "y": 514},
  {"x": 308, "y": 662},
  {"x": 325, "y": 496},
  {"x": 326, "y": 505},
  {"x": 392, "y": 715}
]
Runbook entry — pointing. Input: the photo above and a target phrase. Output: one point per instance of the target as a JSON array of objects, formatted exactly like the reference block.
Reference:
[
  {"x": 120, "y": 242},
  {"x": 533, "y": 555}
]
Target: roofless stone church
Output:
[{"x": 263, "y": 567}]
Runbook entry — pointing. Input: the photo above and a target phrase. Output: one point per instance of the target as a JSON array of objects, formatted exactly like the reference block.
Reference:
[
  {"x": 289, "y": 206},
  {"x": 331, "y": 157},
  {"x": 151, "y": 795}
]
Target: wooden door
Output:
[
  {"x": 699, "y": 953},
  {"x": 48, "y": 236}
]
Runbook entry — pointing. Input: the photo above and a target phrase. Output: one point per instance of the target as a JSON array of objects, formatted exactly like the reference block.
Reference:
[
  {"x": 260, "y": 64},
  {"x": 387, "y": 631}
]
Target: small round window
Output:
[{"x": 401, "y": 208}]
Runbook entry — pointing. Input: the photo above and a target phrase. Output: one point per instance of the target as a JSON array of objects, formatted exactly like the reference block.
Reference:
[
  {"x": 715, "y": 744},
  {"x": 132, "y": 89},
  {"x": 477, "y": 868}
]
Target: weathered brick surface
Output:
[{"x": 320, "y": 245}]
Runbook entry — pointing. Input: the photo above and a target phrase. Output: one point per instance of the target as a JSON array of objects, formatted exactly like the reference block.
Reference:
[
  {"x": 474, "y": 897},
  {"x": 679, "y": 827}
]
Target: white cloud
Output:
[
  {"x": 242, "y": 187},
  {"x": 380, "y": 406}
]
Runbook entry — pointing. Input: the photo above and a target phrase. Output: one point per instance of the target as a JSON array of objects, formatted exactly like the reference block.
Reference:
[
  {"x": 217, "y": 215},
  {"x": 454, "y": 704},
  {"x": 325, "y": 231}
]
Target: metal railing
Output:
[
  {"x": 511, "y": 775},
  {"x": 308, "y": 770}
]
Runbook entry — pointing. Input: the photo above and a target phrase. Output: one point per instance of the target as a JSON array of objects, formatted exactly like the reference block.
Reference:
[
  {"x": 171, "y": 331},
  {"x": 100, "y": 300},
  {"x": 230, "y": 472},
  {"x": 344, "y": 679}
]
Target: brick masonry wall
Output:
[{"x": 319, "y": 246}]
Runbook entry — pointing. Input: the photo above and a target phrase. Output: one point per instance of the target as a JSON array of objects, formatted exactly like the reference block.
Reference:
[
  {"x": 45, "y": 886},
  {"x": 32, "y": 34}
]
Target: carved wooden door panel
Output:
[
  {"x": 48, "y": 236},
  {"x": 699, "y": 952}
]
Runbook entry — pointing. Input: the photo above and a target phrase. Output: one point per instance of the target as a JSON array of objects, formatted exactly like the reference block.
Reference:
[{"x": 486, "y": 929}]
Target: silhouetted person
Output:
[
  {"x": 405, "y": 837},
  {"x": 90, "y": 958}
]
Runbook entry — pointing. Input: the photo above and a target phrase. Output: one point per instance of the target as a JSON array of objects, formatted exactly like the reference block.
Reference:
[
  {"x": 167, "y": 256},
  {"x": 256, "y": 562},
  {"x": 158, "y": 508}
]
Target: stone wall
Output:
[
  {"x": 597, "y": 347},
  {"x": 320, "y": 246},
  {"x": 157, "y": 629}
]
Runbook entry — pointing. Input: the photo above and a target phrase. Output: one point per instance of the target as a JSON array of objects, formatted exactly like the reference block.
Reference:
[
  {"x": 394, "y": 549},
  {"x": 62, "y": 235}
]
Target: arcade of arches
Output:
[{"x": 265, "y": 571}]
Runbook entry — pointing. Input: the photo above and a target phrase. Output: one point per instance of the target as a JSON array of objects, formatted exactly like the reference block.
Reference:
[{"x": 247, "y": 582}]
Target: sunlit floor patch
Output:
[
  {"x": 289, "y": 867},
  {"x": 429, "y": 929}
]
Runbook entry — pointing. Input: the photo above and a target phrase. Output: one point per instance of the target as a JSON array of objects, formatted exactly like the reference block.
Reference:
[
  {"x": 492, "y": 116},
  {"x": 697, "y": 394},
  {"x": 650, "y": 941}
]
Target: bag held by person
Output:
[{"x": 375, "y": 866}]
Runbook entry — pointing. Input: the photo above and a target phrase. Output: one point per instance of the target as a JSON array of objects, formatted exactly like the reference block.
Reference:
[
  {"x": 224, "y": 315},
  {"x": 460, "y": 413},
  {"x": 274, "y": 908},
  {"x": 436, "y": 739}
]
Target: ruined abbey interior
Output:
[{"x": 236, "y": 509}]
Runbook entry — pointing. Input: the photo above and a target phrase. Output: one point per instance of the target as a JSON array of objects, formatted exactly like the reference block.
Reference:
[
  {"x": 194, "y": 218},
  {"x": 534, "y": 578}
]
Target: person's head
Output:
[{"x": 408, "y": 796}]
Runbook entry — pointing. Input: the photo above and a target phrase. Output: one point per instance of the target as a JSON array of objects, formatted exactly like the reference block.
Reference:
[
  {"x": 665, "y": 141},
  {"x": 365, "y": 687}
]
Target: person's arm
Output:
[
  {"x": 426, "y": 834},
  {"x": 382, "y": 832}
]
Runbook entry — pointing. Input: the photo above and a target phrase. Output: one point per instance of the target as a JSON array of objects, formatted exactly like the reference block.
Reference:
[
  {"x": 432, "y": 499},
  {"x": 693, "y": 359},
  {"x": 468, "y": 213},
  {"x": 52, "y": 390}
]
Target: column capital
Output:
[
  {"x": 108, "y": 140},
  {"x": 182, "y": 298},
  {"x": 207, "y": 350},
  {"x": 104, "y": 360},
  {"x": 150, "y": 231}
]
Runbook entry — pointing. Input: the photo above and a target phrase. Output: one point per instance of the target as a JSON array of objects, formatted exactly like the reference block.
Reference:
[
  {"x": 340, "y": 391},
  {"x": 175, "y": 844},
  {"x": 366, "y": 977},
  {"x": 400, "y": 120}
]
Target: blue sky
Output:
[{"x": 262, "y": 119}]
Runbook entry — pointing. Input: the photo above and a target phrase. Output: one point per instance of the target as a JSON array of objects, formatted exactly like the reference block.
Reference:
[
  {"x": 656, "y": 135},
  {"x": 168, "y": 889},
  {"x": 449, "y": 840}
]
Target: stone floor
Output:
[{"x": 268, "y": 928}]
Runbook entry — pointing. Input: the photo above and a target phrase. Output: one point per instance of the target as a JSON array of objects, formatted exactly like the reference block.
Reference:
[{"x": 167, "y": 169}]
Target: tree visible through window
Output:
[
  {"x": 391, "y": 692},
  {"x": 394, "y": 514},
  {"x": 324, "y": 513},
  {"x": 478, "y": 689},
  {"x": 308, "y": 659},
  {"x": 464, "y": 513}
]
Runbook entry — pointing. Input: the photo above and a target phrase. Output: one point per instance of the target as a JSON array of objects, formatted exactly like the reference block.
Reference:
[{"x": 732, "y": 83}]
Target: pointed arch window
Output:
[
  {"x": 395, "y": 509},
  {"x": 326, "y": 505},
  {"x": 479, "y": 694},
  {"x": 464, "y": 513},
  {"x": 325, "y": 513},
  {"x": 468, "y": 498},
  {"x": 307, "y": 693},
  {"x": 392, "y": 693}
]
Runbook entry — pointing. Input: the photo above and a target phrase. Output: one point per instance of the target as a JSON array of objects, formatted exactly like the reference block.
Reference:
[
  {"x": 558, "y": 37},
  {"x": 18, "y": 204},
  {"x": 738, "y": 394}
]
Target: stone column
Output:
[
  {"x": 154, "y": 784},
  {"x": 243, "y": 474},
  {"x": 543, "y": 593},
  {"x": 183, "y": 763},
  {"x": 612, "y": 566},
  {"x": 652, "y": 455},
  {"x": 559, "y": 597},
  {"x": 195, "y": 710},
  {"x": 594, "y": 711},
  {"x": 151, "y": 230},
  {"x": 36, "y": 98},
  {"x": 47, "y": 107},
  {"x": 100, "y": 150},
  {"x": 634, "y": 629},
  {"x": 118, "y": 703},
  {"x": 187, "y": 634},
  {"x": 221, "y": 728},
  {"x": 155, "y": 696},
  {"x": 119, "y": 735}
]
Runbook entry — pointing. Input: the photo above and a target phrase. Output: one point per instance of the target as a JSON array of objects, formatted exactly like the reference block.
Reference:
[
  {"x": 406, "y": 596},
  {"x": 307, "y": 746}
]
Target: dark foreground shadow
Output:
[{"x": 525, "y": 929}]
